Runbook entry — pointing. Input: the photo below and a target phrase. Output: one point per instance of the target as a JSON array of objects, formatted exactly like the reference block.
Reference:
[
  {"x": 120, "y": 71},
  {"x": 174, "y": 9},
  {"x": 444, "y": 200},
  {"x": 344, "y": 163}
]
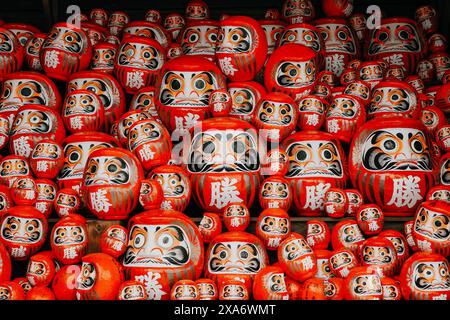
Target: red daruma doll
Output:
[
  {"x": 210, "y": 226},
  {"x": 370, "y": 219},
  {"x": 269, "y": 284},
  {"x": 296, "y": 258},
  {"x": 275, "y": 192},
  {"x": 46, "y": 159},
  {"x": 317, "y": 234},
  {"x": 69, "y": 239},
  {"x": 272, "y": 227},
  {"x": 236, "y": 217},
  {"x": 111, "y": 183},
  {"x": 335, "y": 203},
  {"x": 114, "y": 240},
  {"x": 241, "y": 48},
  {"x": 66, "y": 50},
  {"x": 67, "y": 201}
]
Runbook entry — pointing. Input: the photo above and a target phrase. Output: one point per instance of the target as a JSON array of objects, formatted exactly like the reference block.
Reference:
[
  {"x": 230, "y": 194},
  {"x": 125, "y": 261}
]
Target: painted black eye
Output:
[
  {"x": 26, "y": 92},
  {"x": 342, "y": 35},
  {"x": 293, "y": 72},
  {"x": 302, "y": 155},
  {"x": 417, "y": 146},
  {"x": 404, "y": 35},
  {"x": 244, "y": 254},
  {"x": 112, "y": 168},
  {"x": 74, "y": 156},
  {"x": 238, "y": 147},
  {"x": 175, "y": 84},
  {"x": 383, "y": 36},
  {"x": 327, "y": 155},
  {"x": 209, "y": 147},
  {"x": 200, "y": 84},
  {"x": 389, "y": 144}
]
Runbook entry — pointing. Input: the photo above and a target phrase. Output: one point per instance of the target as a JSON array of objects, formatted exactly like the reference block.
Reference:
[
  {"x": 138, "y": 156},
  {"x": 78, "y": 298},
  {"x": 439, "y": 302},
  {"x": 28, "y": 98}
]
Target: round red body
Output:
[
  {"x": 46, "y": 159},
  {"x": 207, "y": 289},
  {"x": 363, "y": 283},
  {"x": 272, "y": 227},
  {"x": 269, "y": 284},
  {"x": 114, "y": 241},
  {"x": 184, "y": 290},
  {"x": 370, "y": 219},
  {"x": 275, "y": 193},
  {"x": 346, "y": 234},
  {"x": 317, "y": 234},
  {"x": 236, "y": 217},
  {"x": 311, "y": 112},
  {"x": 83, "y": 111},
  {"x": 67, "y": 202},
  {"x": 69, "y": 239},
  {"x": 380, "y": 253},
  {"x": 335, "y": 203},
  {"x": 132, "y": 290},
  {"x": 341, "y": 261},
  {"x": 210, "y": 226},
  {"x": 151, "y": 194}
]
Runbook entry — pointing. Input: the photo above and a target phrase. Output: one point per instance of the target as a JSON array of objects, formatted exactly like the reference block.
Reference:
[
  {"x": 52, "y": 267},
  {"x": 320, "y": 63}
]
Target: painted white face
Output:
[
  {"x": 187, "y": 89},
  {"x": 144, "y": 132},
  {"x": 432, "y": 225},
  {"x": 132, "y": 292},
  {"x": 396, "y": 149},
  {"x": 65, "y": 39},
  {"x": 22, "y": 230},
  {"x": 107, "y": 171},
  {"x": 350, "y": 234},
  {"x": 276, "y": 283},
  {"x": 173, "y": 184},
  {"x": 375, "y": 255},
  {"x": 199, "y": 40},
  {"x": 274, "y": 225},
  {"x": 314, "y": 159},
  {"x": 395, "y": 37},
  {"x": 323, "y": 269},
  {"x": 63, "y": 236},
  {"x": 76, "y": 155},
  {"x": 7, "y": 42},
  {"x": 445, "y": 172},
  {"x": 108, "y": 93},
  {"x": 295, "y": 74},
  {"x": 274, "y": 190},
  {"x": 86, "y": 278},
  {"x": 343, "y": 108},
  {"x": 443, "y": 195},
  {"x": 391, "y": 99},
  {"x": 235, "y": 257},
  {"x": 141, "y": 56},
  {"x": 156, "y": 246},
  {"x": 80, "y": 104},
  {"x": 33, "y": 121},
  {"x": 244, "y": 101},
  {"x": 295, "y": 249},
  {"x": 338, "y": 38},
  {"x": 306, "y": 37},
  {"x": 431, "y": 276},
  {"x": 223, "y": 151},
  {"x": 233, "y": 39},
  {"x": 276, "y": 113},
  {"x": 367, "y": 285},
  {"x": 19, "y": 92}
]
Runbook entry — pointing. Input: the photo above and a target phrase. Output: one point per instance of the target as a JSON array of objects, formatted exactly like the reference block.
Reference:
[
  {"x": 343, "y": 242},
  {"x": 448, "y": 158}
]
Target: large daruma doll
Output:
[
  {"x": 224, "y": 163},
  {"x": 391, "y": 164},
  {"x": 183, "y": 90},
  {"x": 316, "y": 163},
  {"x": 163, "y": 247}
]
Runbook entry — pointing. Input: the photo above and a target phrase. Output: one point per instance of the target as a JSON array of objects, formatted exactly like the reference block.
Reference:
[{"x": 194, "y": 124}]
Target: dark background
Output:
[{"x": 43, "y": 13}]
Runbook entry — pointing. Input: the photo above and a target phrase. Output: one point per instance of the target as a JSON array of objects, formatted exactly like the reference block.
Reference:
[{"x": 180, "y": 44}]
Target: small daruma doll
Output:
[
  {"x": 176, "y": 186},
  {"x": 291, "y": 69},
  {"x": 69, "y": 239},
  {"x": 317, "y": 234},
  {"x": 165, "y": 245},
  {"x": 335, "y": 203},
  {"x": 316, "y": 163},
  {"x": 245, "y": 96},
  {"x": 151, "y": 194},
  {"x": 355, "y": 201},
  {"x": 395, "y": 156},
  {"x": 183, "y": 91},
  {"x": 210, "y": 226},
  {"x": 83, "y": 111},
  {"x": 363, "y": 283},
  {"x": 425, "y": 276},
  {"x": 235, "y": 255},
  {"x": 236, "y": 217},
  {"x": 24, "y": 192},
  {"x": 311, "y": 112},
  {"x": 272, "y": 227},
  {"x": 150, "y": 142},
  {"x": 66, "y": 50},
  {"x": 111, "y": 183},
  {"x": 23, "y": 231},
  {"x": 400, "y": 245},
  {"x": 275, "y": 116},
  {"x": 67, "y": 202},
  {"x": 298, "y": 11},
  {"x": 184, "y": 290},
  {"x": 138, "y": 62},
  {"x": 346, "y": 234},
  {"x": 233, "y": 290},
  {"x": 41, "y": 269},
  {"x": 370, "y": 219},
  {"x": 46, "y": 159},
  {"x": 132, "y": 290},
  {"x": 12, "y": 168},
  {"x": 223, "y": 154},
  {"x": 269, "y": 284},
  {"x": 275, "y": 192},
  {"x": 114, "y": 240},
  {"x": 207, "y": 289},
  {"x": 100, "y": 277},
  {"x": 432, "y": 227},
  {"x": 220, "y": 103},
  {"x": 199, "y": 39},
  {"x": 296, "y": 258},
  {"x": 32, "y": 51},
  {"x": 381, "y": 254},
  {"x": 46, "y": 194},
  {"x": 342, "y": 261},
  {"x": 10, "y": 290},
  {"x": 241, "y": 48}
]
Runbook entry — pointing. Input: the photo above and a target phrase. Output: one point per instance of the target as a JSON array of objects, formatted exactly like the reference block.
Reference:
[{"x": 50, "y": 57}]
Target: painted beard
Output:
[
  {"x": 234, "y": 257},
  {"x": 431, "y": 276},
  {"x": 382, "y": 150}
]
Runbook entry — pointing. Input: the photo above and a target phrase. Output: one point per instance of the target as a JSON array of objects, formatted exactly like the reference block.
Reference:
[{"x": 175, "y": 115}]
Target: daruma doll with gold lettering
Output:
[
  {"x": 392, "y": 165},
  {"x": 224, "y": 163}
]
